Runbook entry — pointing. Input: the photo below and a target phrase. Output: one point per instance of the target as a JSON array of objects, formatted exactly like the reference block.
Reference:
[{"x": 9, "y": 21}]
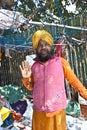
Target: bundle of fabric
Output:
[{"x": 20, "y": 106}]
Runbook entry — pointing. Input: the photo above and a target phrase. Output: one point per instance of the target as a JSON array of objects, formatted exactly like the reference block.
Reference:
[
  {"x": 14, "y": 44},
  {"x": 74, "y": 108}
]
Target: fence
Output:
[{"x": 76, "y": 55}]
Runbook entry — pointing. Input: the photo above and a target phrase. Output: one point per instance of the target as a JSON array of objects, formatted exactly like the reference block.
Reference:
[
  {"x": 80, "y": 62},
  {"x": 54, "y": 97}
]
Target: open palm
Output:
[{"x": 25, "y": 69}]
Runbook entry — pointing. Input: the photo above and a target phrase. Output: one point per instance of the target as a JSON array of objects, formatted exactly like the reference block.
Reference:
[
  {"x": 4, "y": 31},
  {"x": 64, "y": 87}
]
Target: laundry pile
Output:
[
  {"x": 12, "y": 93},
  {"x": 15, "y": 108},
  {"x": 15, "y": 116},
  {"x": 16, "y": 113}
]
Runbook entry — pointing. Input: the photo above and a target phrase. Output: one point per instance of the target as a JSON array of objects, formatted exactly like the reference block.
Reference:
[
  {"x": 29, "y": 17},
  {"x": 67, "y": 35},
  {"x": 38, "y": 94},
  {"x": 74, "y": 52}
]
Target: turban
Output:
[{"x": 41, "y": 35}]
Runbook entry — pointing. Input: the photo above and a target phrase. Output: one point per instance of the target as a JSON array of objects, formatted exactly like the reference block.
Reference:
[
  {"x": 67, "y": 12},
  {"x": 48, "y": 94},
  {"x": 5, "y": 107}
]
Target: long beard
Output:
[{"x": 43, "y": 58}]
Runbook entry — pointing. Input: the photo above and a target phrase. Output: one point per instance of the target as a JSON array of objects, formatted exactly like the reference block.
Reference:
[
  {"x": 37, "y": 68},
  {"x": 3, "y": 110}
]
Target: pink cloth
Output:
[{"x": 49, "y": 92}]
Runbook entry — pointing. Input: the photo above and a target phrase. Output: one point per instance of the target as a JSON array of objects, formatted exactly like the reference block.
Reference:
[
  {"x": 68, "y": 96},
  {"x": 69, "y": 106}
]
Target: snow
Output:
[
  {"x": 11, "y": 19},
  {"x": 73, "y": 123}
]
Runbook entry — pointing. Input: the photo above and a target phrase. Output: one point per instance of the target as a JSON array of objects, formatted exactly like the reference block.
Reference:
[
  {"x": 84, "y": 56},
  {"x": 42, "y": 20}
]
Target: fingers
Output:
[
  {"x": 25, "y": 69},
  {"x": 20, "y": 68},
  {"x": 25, "y": 65}
]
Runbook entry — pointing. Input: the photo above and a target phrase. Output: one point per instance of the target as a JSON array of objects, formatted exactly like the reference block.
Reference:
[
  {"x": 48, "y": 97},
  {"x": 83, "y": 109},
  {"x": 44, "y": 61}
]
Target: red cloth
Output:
[{"x": 59, "y": 47}]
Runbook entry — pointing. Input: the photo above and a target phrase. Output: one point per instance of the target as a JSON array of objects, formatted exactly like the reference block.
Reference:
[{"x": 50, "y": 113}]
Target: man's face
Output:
[{"x": 43, "y": 51}]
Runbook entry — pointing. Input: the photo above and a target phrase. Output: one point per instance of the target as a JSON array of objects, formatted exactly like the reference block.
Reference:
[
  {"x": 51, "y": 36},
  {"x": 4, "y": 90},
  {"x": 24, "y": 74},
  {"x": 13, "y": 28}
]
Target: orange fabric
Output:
[
  {"x": 0, "y": 56},
  {"x": 28, "y": 82},
  {"x": 42, "y": 122},
  {"x": 71, "y": 78}
]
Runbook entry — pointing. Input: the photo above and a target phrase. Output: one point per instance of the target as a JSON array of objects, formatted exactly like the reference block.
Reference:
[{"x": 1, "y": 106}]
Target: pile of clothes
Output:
[{"x": 17, "y": 115}]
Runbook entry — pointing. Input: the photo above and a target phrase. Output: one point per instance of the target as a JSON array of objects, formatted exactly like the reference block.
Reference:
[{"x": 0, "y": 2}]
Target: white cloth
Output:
[{"x": 1, "y": 122}]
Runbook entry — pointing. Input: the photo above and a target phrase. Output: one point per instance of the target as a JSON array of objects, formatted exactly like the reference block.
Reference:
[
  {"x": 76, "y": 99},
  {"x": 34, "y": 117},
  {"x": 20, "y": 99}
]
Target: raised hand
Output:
[{"x": 25, "y": 69}]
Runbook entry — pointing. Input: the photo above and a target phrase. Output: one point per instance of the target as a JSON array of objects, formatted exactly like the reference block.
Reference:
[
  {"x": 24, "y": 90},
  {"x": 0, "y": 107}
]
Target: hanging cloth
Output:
[{"x": 59, "y": 47}]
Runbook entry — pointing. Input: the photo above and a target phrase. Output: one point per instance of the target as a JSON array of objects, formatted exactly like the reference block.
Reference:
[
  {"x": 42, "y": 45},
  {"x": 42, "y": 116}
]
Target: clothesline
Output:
[{"x": 59, "y": 25}]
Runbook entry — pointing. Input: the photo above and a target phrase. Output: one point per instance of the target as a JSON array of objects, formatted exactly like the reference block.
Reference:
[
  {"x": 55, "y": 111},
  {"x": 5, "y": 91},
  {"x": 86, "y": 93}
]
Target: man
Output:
[{"x": 46, "y": 79}]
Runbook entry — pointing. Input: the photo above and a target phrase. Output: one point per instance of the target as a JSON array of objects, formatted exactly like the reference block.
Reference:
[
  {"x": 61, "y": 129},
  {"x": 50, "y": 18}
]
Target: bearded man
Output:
[{"x": 46, "y": 79}]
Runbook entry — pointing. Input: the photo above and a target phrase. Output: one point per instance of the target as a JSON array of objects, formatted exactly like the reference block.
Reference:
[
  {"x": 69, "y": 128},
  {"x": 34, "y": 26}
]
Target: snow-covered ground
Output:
[{"x": 73, "y": 123}]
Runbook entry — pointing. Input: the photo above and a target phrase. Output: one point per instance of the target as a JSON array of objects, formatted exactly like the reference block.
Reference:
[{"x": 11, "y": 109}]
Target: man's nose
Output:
[{"x": 43, "y": 46}]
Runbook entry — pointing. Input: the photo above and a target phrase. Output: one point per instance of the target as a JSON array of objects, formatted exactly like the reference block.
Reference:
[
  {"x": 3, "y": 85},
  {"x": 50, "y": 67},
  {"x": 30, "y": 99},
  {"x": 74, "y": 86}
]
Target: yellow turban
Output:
[{"x": 41, "y": 35}]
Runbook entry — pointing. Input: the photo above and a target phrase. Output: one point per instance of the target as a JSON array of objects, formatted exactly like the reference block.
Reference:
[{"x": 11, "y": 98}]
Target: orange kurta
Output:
[{"x": 55, "y": 120}]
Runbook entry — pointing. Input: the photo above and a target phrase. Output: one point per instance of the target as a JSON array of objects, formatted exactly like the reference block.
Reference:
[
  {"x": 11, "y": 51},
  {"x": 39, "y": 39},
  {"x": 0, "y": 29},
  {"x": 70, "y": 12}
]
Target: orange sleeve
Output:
[
  {"x": 73, "y": 80},
  {"x": 28, "y": 82}
]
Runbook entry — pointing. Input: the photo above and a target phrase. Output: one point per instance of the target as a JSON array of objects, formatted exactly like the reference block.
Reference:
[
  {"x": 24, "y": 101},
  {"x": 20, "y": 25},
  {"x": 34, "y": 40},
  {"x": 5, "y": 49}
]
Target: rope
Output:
[{"x": 58, "y": 9}]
